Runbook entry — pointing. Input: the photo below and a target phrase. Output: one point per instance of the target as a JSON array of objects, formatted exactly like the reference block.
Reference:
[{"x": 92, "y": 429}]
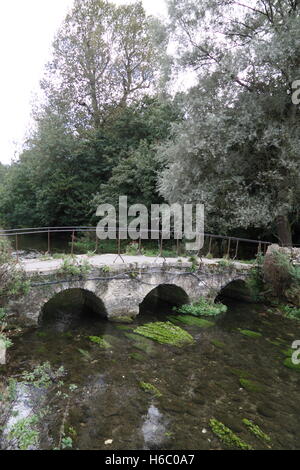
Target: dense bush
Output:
[{"x": 203, "y": 307}]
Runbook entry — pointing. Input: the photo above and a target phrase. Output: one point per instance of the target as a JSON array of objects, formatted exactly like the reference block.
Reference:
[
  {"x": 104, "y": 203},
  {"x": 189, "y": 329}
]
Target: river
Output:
[{"x": 98, "y": 402}]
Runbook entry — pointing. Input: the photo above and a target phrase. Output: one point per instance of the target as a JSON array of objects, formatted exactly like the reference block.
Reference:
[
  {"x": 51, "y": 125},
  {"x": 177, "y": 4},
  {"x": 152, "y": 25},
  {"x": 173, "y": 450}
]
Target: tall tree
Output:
[
  {"x": 238, "y": 149},
  {"x": 104, "y": 57}
]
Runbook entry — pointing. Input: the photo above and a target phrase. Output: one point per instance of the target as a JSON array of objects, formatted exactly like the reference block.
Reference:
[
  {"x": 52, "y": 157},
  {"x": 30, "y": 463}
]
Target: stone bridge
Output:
[{"x": 117, "y": 290}]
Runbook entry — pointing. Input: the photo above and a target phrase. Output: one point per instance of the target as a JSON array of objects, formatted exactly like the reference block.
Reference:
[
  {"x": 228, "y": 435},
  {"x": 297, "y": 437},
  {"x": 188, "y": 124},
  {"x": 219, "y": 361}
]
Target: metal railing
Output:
[{"x": 228, "y": 246}]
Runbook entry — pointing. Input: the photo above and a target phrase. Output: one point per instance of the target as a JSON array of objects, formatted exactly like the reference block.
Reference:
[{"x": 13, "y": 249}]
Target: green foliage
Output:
[
  {"x": 149, "y": 388},
  {"x": 237, "y": 151},
  {"x": 290, "y": 312},
  {"x": 71, "y": 266},
  {"x": 42, "y": 375},
  {"x": 256, "y": 430},
  {"x": 66, "y": 442},
  {"x": 165, "y": 333},
  {"x": 25, "y": 433},
  {"x": 12, "y": 277},
  {"x": 227, "y": 436},
  {"x": 255, "y": 281},
  {"x": 106, "y": 269},
  {"x": 203, "y": 307}
]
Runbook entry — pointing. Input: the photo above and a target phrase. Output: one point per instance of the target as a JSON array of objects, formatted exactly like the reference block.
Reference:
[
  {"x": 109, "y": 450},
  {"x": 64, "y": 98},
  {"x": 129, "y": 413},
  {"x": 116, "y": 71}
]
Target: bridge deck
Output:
[{"x": 99, "y": 261}]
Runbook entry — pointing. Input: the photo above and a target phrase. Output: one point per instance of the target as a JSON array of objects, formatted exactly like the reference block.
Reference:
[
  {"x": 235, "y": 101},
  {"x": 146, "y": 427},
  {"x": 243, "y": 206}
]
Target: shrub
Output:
[
  {"x": 290, "y": 312},
  {"x": 203, "y": 307},
  {"x": 12, "y": 277},
  {"x": 71, "y": 266}
]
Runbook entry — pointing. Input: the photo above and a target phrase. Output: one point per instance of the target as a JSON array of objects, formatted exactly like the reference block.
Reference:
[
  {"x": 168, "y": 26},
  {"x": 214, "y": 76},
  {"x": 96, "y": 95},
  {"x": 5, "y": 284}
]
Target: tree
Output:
[
  {"x": 136, "y": 173},
  {"x": 58, "y": 174},
  {"x": 104, "y": 57},
  {"x": 238, "y": 149}
]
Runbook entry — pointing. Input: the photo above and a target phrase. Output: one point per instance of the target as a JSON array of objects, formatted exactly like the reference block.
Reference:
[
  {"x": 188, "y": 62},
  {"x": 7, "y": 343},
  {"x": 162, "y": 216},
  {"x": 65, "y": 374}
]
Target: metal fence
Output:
[{"x": 70, "y": 240}]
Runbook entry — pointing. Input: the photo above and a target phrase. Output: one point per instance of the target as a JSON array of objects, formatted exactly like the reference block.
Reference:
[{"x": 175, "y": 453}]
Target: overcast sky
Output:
[{"x": 27, "y": 28}]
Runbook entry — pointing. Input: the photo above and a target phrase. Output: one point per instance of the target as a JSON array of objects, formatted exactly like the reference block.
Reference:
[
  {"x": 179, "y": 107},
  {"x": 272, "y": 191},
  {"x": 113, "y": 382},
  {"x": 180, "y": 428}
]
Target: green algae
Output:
[
  {"x": 140, "y": 343},
  {"x": 137, "y": 357},
  {"x": 218, "y": 343},
  {"x": 256, "y": 430},
  {"x": 287, "y": 352},
  {"x": 132, "y": 336},
  {"x": 100, "y": 341},
  {"x": 191, "y": 321},
  {"x": 124, "y": 327},
  {"x": 85, "y": 354},
  {"x": 149, "y": 388},
  {"x": 289, "y": 363},
  {"x": 276, "y": 343},
  {"x": 228, "y": 437},
  {"x": 251, "y": 386},
  {"x": 165, "y": 333},
  {"x": 122, "y": 319},
  {"x": 251, "y": 334}
]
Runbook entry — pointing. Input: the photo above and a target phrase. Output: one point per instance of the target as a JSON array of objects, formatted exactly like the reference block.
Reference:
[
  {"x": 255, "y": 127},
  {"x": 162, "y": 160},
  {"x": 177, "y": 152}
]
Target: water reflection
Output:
[{"x": 154, "y": 428}]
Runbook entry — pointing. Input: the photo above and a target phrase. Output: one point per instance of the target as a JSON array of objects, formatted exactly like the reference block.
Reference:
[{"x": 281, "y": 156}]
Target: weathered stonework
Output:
[{"x": 121, "y": 296}]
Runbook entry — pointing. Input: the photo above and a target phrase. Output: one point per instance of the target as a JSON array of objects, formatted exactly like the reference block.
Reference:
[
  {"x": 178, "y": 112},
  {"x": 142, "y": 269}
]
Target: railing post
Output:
[
  {"x": 17, "y": 248},
  {"x": 259, "y": 248},
  {"x": 209, "y": 247},
  {"x": 228, "y": 248},
  {"x": 236, "y": 249},
  {"x": 72, "y": 245},
  {"x": 96, "y": 244},
  {"x": 49, "y": 248}
]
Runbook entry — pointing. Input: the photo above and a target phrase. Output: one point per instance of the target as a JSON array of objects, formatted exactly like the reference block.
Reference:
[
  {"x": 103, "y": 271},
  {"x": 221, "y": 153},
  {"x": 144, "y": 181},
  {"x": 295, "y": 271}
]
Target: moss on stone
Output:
[
  {"x": 251, "y": 334},
  {"x": 256, "y": 430},
  {"x": 165, "y": 333},
  {"x": 227, "y": 436},
  {"x": 251, "y": 386},
  {"x": 100, "y": 341},
  {"x": 122, "y": 319},
  {"x": 124, "y": 327},
  {"x": 191, "y": 321},
  {"x": 149, "y": 388}
]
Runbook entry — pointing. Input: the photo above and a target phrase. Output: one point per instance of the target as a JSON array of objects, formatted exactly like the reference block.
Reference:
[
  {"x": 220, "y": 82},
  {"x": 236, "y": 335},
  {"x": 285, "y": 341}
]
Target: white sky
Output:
[{"x": 27, "y": 28}]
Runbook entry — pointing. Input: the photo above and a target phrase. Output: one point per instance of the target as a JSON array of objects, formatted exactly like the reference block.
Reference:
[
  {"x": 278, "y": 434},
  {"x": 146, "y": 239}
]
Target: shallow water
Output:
[{"x": 197, "y": 383}]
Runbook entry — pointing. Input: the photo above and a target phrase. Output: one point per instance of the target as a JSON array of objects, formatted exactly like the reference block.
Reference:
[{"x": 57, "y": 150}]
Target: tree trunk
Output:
[{"x": 284, "y": 230}]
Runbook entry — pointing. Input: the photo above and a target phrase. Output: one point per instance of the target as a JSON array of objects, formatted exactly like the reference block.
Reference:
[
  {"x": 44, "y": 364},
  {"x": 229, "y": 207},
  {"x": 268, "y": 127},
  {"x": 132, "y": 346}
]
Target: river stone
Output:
[
  {"x": 264, "y": 409},
  {"x": 235, "y": 424}
]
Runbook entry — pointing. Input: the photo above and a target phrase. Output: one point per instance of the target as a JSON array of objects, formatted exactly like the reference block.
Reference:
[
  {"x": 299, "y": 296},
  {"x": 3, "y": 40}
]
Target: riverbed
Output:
[{"x": 98, "y": 402}]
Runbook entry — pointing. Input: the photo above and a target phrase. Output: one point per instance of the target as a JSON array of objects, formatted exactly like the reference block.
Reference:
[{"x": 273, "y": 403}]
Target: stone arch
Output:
[
  {"x": 235, "y": 289},
  {"x": 164, "y": 294},
  {"x": 76, "y": 297}
]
